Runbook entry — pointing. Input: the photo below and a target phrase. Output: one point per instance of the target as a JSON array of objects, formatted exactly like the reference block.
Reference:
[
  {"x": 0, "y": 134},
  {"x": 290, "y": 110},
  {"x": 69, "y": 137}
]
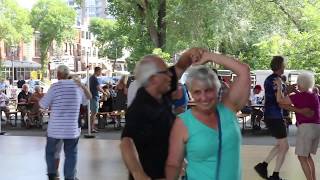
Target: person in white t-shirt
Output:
[
  {"x": 4, "y": 101},
  {"x": 64, "y": 99},
  {"x": 3, "y": 85},
  {"x": 132, "y": 90},
  {"x": 256, "y": 99}
]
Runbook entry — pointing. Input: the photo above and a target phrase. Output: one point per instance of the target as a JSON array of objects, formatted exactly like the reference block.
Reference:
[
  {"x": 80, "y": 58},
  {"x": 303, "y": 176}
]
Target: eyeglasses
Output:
[{"x": 166, "y": 72}]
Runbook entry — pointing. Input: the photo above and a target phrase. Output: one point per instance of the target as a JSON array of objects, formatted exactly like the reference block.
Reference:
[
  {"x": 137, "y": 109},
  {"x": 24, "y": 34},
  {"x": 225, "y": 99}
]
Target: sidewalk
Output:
[
  {"x": 248, "y": 138},
  {"x": 22, "y": 158}
]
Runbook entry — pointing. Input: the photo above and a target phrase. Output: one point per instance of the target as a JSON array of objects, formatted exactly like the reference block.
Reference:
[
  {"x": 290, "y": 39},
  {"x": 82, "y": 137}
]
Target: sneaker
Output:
[
  {"x": 94, "y": 131},
  {"x": 275, "y": 178},
  {"x": 52, "y": 176},
  {"x": 262, "y": 170},
  {"x": 256, "y": 127},
  {"x": 72, "y": 178}
]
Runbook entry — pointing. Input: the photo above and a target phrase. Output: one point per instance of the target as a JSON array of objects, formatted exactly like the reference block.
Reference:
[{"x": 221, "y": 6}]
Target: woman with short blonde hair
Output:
[{"x": 208, "y": 134}]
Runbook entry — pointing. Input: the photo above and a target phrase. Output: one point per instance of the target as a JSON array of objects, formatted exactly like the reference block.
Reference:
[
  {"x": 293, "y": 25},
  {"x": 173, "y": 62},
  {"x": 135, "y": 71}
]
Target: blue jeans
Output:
[{"x": 71, "y": 153}]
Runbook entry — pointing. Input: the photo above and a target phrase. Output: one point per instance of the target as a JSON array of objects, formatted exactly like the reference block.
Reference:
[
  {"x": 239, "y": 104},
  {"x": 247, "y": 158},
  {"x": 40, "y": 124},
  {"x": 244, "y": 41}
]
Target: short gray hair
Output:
[
  {"x": 145, "y": 68},
  {"x": 37, "y": 88},
  {"x": 64, "y": 70},
  {"x": 203, "y": 74},
  {"x": 25, "y": 85},
  {"x": 305, "y": 80}
]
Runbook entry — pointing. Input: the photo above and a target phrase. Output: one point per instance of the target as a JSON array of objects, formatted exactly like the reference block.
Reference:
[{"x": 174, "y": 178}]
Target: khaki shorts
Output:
[{"x": 307, "y": 139}]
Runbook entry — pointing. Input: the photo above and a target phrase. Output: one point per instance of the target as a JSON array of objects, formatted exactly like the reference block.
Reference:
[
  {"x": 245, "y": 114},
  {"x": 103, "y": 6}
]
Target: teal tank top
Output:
[{"x": 202, "y": 147}]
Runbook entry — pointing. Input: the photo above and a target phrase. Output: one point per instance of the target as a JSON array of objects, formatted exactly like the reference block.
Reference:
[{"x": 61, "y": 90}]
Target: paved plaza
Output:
[{"x": 22, "y": 158}]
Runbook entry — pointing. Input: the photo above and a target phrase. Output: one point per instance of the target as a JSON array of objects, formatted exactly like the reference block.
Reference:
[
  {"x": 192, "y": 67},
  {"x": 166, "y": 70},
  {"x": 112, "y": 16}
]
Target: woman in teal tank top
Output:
[{"x": 208, "y": 135}]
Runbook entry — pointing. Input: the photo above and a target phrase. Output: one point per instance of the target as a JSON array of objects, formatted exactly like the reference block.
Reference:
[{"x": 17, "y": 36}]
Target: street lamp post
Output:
[
  {"x": 13, "y": 51},
  {"x": 114, "y": 62},
  {"x": 89, "y": 135}
]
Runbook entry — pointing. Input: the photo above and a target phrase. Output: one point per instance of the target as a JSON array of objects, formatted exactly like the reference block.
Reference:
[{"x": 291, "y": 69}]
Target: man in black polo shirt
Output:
[
  {"x": 145, "y": 138},
  {"x": 23, "y": 99}
]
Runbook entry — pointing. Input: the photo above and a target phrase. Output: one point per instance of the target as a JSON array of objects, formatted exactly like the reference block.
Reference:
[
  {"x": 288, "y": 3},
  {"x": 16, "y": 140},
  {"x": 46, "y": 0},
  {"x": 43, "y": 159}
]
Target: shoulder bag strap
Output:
[{"x": 219, "y": 146}]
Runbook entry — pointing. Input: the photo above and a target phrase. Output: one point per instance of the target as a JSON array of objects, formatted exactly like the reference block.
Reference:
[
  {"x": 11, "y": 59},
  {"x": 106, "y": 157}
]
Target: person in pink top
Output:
[{"x": 308, "y": 133}]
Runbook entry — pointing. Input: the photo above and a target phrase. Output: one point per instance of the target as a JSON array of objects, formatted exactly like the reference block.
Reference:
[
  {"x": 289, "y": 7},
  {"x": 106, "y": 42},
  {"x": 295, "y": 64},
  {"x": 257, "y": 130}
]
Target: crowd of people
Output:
[
  {"x": 205, "y": 139},
  {"x": 27, "y": 103},
  {"x": 165, "y": 138}
]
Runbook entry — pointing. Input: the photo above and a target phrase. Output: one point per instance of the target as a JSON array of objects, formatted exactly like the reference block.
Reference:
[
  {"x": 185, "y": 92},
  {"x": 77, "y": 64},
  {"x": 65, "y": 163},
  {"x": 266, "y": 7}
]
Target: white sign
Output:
[{"x": 65, "y": 60}]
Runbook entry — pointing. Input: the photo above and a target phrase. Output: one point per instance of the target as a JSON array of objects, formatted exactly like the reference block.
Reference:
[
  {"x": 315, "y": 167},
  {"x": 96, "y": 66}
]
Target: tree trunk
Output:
[
  {"x": 44, "y": 57},
  {"x": 290, "y": 17},
  {"x": 157, "y": 31},
  {"x": 162, "y": 25}
]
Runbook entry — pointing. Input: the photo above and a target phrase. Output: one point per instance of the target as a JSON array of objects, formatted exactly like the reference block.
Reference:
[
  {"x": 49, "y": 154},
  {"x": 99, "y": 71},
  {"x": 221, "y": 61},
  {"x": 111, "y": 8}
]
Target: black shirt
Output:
[
  {"x": 149, "y": 123},
  {"x": 20, "y": 83},
  {"x": 24, "y": 95}
]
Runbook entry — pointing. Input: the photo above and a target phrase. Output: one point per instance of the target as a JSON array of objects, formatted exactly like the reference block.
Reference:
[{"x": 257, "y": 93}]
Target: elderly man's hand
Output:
[
  {"x": 292, "y": 88},
  {"x": 195, "y": 54},
  {"x": 205, "y": 57}
]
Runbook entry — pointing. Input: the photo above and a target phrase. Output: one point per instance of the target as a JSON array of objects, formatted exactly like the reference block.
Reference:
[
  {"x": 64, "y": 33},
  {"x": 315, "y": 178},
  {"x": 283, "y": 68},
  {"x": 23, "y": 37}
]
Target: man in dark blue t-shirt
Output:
[
  {"x": 94, "y": 102},
  {"x": 273, "y": 116}
]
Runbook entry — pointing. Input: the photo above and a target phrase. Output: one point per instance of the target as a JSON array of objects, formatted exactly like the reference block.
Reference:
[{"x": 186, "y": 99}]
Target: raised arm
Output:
[
  {"x": 239, "y": 91},
  {"x": 307, "y": 112},
  {"x": 83, "y": 87},
  {"x": 107, "y": 93},
  {"x": 86, "y": 91},
  {"x": 189, "y": 57},
  {"x": 286, "y": 103},
  {"x": 281, "y": 98}
]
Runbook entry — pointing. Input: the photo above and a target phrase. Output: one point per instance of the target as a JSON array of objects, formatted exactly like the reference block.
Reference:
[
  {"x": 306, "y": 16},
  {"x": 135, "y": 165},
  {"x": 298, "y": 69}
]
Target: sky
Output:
[{"x": 26, "y": 3}]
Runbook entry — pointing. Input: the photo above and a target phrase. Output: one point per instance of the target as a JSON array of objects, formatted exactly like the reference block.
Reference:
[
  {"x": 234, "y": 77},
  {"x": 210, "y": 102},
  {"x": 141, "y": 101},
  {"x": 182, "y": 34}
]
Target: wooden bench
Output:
[
  {"x": 11, "y": 113},
  {"x": 243, "y": 117},
  {"x": 114, "y": 116},
  {"x": 15, "y": 114},
  {"x": 102, "y": 119}
]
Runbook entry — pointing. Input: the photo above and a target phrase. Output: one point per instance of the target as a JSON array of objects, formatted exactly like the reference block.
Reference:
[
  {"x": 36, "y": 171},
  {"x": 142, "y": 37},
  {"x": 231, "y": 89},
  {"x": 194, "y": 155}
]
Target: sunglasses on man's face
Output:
[{"x": 167, "y": 72}]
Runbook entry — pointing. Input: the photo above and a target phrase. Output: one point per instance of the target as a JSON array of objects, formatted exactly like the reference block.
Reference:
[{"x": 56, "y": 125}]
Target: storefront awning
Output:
[{"x": 20, "y": 64}]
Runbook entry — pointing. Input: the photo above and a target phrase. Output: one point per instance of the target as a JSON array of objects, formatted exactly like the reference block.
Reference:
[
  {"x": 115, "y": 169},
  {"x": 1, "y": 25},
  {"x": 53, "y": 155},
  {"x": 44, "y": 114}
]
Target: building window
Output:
[
  {"x": 70, "y": 49},
  {"x": 36, "y": 48},
  {"x": 87, "y": 35},
  {"x": 66, "y": 47},
  {"x": 82, "y": 34},
  {"x": 89, "y": 50},
  {"x": 78, "y": 49},
  {"x": 83, "y": 51},
  {"x": 94, "y": 52}
]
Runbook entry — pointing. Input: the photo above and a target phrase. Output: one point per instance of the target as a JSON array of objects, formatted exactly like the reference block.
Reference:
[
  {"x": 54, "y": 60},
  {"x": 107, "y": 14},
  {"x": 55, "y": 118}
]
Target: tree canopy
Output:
[
  {"x": 109, "y": 40},
  {"x": 15, "y": 23},
  {"x": 54, "y": 19},
  {"x": 253, "y": 31}
]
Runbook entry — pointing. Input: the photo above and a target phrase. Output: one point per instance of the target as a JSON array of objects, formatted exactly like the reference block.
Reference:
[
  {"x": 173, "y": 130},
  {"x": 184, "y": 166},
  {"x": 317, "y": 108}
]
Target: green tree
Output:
[
  {"x": 148, "y": 14},
  {"x": 165, "y": 56},
  {"x": 109, "y": 40},
  {"x": 54, "y": 19},
  {"x": 254, "y": 31},
  {"x": 143, "y": 22},
  {"x": 14, "y": 24}
]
